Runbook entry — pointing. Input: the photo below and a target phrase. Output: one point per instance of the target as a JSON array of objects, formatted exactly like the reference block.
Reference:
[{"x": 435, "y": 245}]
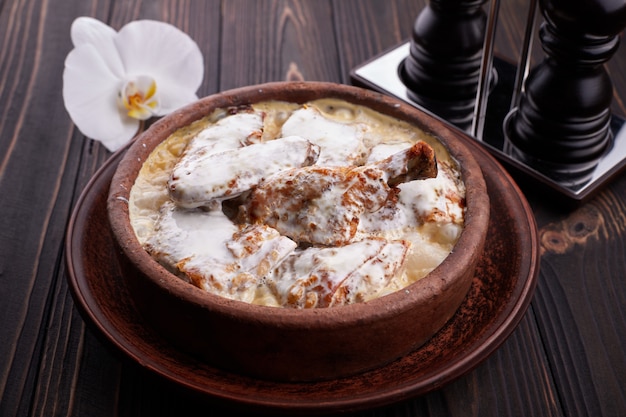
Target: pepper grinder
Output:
[
  {"x": 442, "y": 70},
  {"x": 562, "y": 123}
]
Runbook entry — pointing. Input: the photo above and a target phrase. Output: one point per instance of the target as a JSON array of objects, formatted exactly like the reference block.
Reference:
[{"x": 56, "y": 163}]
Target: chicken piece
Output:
[
  {"x": 340, "y": 143},
  {"x": 417, "y": 162},
  {"x": 323, "y": 205},
  {"x": 326, "y": 277},
  {"x": 200, "y": 179},
  {"x": 213, "y": 253},
  {"x": 231, "y": 132},
  {"x": 438, "y": 204}
]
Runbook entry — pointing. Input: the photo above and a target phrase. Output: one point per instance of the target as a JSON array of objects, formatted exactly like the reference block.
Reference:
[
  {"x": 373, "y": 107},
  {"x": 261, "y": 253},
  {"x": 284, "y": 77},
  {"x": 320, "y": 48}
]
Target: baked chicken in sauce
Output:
[{"x": 302, "y": 224}]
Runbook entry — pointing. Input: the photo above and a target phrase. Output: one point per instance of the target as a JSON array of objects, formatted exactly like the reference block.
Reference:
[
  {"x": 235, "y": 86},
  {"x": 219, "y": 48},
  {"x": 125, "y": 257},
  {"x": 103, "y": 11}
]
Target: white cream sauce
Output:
[
  {"x": 340, "y": 143},
  {"x": 204, "y": 175}
]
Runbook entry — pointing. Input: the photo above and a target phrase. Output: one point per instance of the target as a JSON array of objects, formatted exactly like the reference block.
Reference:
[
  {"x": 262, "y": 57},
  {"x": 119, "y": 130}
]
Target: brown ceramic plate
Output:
[{"x": 501, "y": 291}]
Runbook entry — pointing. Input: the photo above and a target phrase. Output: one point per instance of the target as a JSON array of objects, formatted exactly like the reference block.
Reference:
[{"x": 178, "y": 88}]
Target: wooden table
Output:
[{"x": 567, "y": 357}]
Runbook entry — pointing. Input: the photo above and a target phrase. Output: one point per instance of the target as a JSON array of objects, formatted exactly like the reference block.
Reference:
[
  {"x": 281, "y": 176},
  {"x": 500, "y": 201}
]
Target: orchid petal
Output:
[
  {"x": 86, "y": 30},
  {"x": 114, "y": 79},
  {"x": 168, "y": 55},
  {"x": 90, "y": 94},
  {"x": 172, "y": 97},
  {"x": 90, "y": 30}
]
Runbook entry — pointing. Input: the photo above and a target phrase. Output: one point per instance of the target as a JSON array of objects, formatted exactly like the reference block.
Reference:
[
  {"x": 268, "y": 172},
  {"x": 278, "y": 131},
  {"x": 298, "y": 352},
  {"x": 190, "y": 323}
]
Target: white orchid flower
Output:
[{"x": 114, "y": 80}]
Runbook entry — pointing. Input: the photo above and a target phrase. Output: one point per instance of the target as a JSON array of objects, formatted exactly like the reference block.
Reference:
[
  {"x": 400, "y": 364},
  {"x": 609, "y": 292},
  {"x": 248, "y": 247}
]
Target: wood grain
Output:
[
  {"x": 580, "y": 302},
  {"x": 567, "y": 357},
  {"x": 299, "y": 46},
  {"x": 369, "y": 28},
  {"x": 37, "y": 174}
]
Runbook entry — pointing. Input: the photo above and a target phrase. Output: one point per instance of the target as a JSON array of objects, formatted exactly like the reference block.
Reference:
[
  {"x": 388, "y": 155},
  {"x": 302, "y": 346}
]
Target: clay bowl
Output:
[{"x": 287, "y": 344}]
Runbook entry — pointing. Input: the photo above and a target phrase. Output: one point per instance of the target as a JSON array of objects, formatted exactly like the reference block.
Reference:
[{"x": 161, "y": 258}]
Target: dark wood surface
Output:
[{"x": 566, "y": 358}]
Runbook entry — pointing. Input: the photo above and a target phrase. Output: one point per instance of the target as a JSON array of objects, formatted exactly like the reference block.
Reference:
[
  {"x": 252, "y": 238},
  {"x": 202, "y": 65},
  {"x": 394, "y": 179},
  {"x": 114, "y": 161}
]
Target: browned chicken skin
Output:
[
  {"x": 314, "y": 278},
  {"x": 322, "y": 205}
]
